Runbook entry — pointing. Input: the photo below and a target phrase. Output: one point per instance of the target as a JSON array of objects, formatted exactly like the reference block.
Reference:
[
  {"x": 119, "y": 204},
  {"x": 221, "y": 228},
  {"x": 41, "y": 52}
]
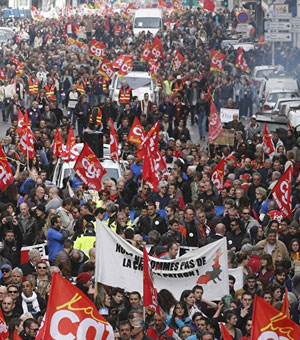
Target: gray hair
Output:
[
  {"x": 17, "y": 270},
  {"x": 162, "y": 183},
  {"x": 231, "y": 177},
  {"x": 111, "y": 208},
  {"x": 32, "y": 254},
  {"x": 246, "y": 248},
  {"x": 276, "y": 175}
]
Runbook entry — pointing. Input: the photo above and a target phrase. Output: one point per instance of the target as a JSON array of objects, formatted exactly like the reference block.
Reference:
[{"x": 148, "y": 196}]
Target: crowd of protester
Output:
[{"x": 60, "y": 88}]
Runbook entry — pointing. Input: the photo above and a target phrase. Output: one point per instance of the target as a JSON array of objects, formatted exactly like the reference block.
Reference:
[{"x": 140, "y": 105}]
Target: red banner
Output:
[
  {"x": 126, "y": 67},
  {"x": 215, "y": 126},
  {"x": 178, "y": 61},
  {"x": 209, "y": 5},
  {"x": 156, "y": 49},
  {"x": 6, "y": 175},
  {"x": 160, "y": 163},
  {"x": 66, "y": 149},
  {"x": 117, "y": 63},
  {"x": 97, "y": 49},
  {"x": 114, "y": 144},
  {"x": 106, "y": 69},
  {"x": 217, "y": 175},
  {"x": 225, "y": 333},
  {"x": 151, "y": 141},
  {"x": 282, "y": 192},
  {"x": 149, "y": 173},
  {"x": 267, "y": 141},
  {"x": 240, "y": 61},
  {"x": 4, "y": 332},
  {"x": 153, "y": 67},
  {"x": 2, "y": 75},
  {"x": 177, "y": 6},
  {"x": 216, "y": 61},
  {"x": 270, "y": 323},
  {"x": 146, "y": 51},
  {"x": 70, "y": 313},
  {"x": 285, "y": 310},
  {"x": 57, "y": 144},
  {"x": 137, "y": 133},
  {"x": 89, "y": 169},
  {"x": 26, "y": 145},
  {"x": 162, "y": 4},
  {"x": 20, "y": 121}
]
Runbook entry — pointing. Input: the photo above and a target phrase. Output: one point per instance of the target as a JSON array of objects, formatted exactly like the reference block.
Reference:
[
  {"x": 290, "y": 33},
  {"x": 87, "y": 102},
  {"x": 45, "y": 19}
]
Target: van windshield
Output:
[
  {"x": 147, "y": 22},
  {"x": 135, "y": 83}
]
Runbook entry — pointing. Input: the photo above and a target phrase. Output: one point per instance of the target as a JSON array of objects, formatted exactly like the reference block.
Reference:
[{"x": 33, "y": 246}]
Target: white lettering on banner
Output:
[
  {"x": 206, "y": 266},
  {"x": 4, "y": 176},
  {"x": 284, "y": 186},
  {"x": 217, "y": 62},
  {"x": 40, "y": 247},
  {"x": 138, "y": 131},
  {"x": 216, "y": 180},
  {"x": 271, "y": 335},
  {"x": 98, "y": 52},
  {"x": 125, "y": 68},
  {"x": 226, "y": 115},
  {"x": 156, "y": 53},
  {"x": 177, "y": 63},
  {"x": 91, "y": 171},
  {"x": 107, "y": 70}
]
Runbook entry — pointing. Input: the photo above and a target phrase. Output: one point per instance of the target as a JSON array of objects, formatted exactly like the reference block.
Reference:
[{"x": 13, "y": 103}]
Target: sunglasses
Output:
[
  {"x": 42, "y": 267},
  {"x": 12, "y": 291},
  {"x": 5, "y": 270}
]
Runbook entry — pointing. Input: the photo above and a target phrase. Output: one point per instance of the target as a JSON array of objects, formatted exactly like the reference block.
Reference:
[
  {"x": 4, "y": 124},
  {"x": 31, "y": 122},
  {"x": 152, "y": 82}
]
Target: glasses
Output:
[
  {"x": 146, "y": 188},
  {"x": 12, "y": 292},
  {"x": 5, "y": 270},
  {"x": 34, "y": 329},
  {"x": 232, "y": 224},
  {"x": 246, "y": 213},
  {"x": 42, "y": 267}
]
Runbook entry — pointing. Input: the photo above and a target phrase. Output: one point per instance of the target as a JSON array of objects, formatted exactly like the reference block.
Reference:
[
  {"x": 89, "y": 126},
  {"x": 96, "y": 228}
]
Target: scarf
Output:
[{"x": 33, "y": 299}]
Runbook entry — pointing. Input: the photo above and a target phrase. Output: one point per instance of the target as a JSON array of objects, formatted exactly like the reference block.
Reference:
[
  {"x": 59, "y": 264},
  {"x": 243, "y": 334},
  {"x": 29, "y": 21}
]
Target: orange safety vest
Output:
[
  {"x": 98, "y": 117},
  {"x": 80, "y": 88},
  {"x": 178, "y": 88},
  {"x": 125, "y": 95},
  {"x": 33, "y": 87},
  {"x": 104, "y": 86},
  {"x": 50, "y": 92}
]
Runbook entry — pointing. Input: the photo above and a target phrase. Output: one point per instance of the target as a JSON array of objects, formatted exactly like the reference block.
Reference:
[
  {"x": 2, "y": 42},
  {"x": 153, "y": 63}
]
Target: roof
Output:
[{"x": 148, "y": 12}]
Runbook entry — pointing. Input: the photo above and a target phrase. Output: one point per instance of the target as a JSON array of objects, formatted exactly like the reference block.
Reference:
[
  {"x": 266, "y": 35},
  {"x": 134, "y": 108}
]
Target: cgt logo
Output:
[
  {"x": 284, "y": 186},
  {"x": 216, "y": 179},
  {"x": 138, "y": 132},
  {"x": 125, "y": 68},
  {"x": 91, "y": 171},
  {"x": 97, "y": 52},
  {"x": 271, "y": 335},
  {"x": 156, "y": 53},
  {"x": 107, "y": 70},
  {"x": 217, "y": 62}
]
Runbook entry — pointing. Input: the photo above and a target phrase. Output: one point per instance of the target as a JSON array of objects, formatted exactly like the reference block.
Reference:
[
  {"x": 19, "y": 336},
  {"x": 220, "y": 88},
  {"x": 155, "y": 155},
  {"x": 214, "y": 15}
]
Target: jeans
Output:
[{"x": 202, "y": 119}]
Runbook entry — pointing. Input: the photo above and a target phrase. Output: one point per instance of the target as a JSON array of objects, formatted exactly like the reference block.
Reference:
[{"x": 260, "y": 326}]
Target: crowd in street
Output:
[{"x": 60, "y": 88}]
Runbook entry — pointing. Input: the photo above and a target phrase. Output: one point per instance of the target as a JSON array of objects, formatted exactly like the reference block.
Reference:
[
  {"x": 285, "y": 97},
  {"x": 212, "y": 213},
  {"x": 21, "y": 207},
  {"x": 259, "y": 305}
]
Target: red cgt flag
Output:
[
  {"x": 149, "y": 173},
  {"x": 267, "y": 141},
  {"x": 153, "y": 67},
  {"x": 178, "y": 61},
  {"x": 57, "y": 144},
  {"x": 270, "y": 323},
  {"x": 137, "y": 133},
  {"x": 2, "y": 75},
  {"x": 146, "y": 51},
  {"x": 149, "y": 292},
  {"x": 89, "y": 169},
  {"x": 160, "y": 163},
  {"x": 282, "y": 192},
  {"x": 150, "y": 141},
  {"x": 285, "y": 304},
  {"x": 70, "y": 313},
  {"x": 209, "y": 5},
  {"x": 27, "y": 142},
  {"x": 6, "y": 175},
  {"x": 215, "y": 127},
  {"x": 117, "y": 63},
  {"x": 156, "y": 49},
  {"x": 126, "y": 66},
  {"x": 4, "y": 333},
  {"x": 216, "y": 61},
  {"x": 217, "y": 175},
  {"x": 106, "y": 69},
  {"x": 97, "y": 49},
  {"x": 17, "y": 336},
  {"x": 240, "y": 61},
  {"x": 66, "y": 149},
  {"x": 20, "y": 122},
  {"x": 225, "y": 333},
  {"x": 114, "y": 144}
]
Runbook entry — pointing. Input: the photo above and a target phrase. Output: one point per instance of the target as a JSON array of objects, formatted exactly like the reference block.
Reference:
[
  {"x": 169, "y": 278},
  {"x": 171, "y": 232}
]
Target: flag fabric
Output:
[
  {"x": 156, "y": 49},
  {"x": 70, "y": 313},
  {"x": 66, "y": 149},
  {"x": 17, "y": 336},
  {"x": 118, "y": 62},
  {"x": 215, "y": 126},
  {"x": 216, "y": 61},
  {"x": 6, "y": 175},
  {"x": 26, "y": 145},
  {"x": 20, "y": 122},
  {"x": 149, "y": 292},
  {"x": 268, "y": 145},
  {"x": 106, "y": 69},
  {"x": 270, "y": 323},
  {"x": 153, "y": 67},
  {"x": 114, "y": 144},
  {"x": 160, "y": 163},
  {"x": 209, "y": 5},
  {"x": 2, "y": 75},
  {"x": 225, "y": 333},
  {"x": 240, "y": 61},
  {"x": 97, "y": 49},
  {"x": 126, "y": 66},
  {"x": 282, "y": 192},
  {"x": 150, "y": 141},
  {"x": 217, "y": 175},
  {"x": 149, "y": 173},
  {"x": 89, "y": 169},
  {"x": 146, "y": 51},
  {"x": 162, "y": 4},
  {"x": 178, "y": 61},
  {"x": 57, "y": 144},
  {"x": 285, "y": 310},
  {"x": 4, "y": 333},
  {"x": 177, "y": 6},
  {"x": 137, "y": 133}
]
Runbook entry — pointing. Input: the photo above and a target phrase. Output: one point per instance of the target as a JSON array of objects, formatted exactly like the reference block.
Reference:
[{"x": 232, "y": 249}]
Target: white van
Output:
[{"x": 148, "y": 19}]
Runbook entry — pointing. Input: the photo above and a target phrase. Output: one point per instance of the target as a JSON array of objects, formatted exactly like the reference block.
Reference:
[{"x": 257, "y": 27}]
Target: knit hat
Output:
[
  {"x": 83, "y": 278},
  {"x": 41, "y": 207}
]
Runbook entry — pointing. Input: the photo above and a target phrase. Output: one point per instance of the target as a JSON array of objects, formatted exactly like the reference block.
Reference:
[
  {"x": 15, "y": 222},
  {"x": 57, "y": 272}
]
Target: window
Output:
[{"x": 147, "y": 23}]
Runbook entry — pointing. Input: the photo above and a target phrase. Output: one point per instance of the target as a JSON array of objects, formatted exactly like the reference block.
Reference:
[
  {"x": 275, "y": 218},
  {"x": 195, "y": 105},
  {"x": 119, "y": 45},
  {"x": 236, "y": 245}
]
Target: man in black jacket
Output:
[{"x": 152, "y": 221}]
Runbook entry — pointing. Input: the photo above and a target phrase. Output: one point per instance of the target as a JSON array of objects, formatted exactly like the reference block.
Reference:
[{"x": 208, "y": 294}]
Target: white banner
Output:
[
  {"x": 119, "y": 264},
  {"x": 227, "y": 114},
  {"x": 239, "y": 278}
]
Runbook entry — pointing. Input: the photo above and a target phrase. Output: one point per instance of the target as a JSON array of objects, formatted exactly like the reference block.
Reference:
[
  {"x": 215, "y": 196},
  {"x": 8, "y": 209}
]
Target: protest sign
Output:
[
  {"x": 227, "y": 114},
  {"x": 25, "y": 251},
  {"x": 226, "y": 138},
  {"x": 206, "y": 266}
]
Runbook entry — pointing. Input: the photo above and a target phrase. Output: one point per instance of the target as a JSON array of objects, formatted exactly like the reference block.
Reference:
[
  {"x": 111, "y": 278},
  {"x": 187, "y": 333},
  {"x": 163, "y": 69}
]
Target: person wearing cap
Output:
[
  {"x": 253, "y": 128},
  {"x": 84, "y": 282},
  {"x": 6, "y": 271}
]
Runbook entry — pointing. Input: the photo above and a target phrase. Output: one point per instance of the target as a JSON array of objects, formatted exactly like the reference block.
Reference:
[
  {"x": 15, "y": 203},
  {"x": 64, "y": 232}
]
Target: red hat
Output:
[
  {"x": 245, "y": 176},
  {"x": 83, "y": 278},
  {"x": 227, "y": 184}
]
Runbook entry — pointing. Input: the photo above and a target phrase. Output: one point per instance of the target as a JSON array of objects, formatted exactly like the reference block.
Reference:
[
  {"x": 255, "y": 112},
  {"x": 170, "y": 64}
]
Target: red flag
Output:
[
  {"x": 126, "y": 66},
  {"x": 106, "y": 25},
  {"x": 2, "y": 75},
  {"x": 150, "y": 141},
  {"x": 177, "y": 6},
  {"x": 118, "y": 62},
  {"x": 282, "y": 192},
  {"x": 65, "y": 155},
  {"x": 156, "y": 49},
  {"x": 137, "y": 133},
  {"x": 146, "y": 51},
  {"x": 153, "y": 67},
  {"x": 57, "y": 144},
  {"x": 267, "y": 141},
  {"x": 225, "y": 333},
  {"x": 114, "y": 144},
  {"x": 4, "y": 333},
  {"x": 178, "y": 61},
  {"x": 217, "y": 175},
  {"x": 216, "y": 61},
  {"x": 285, "y": 304},
  {"x": 215, "y": 127},
  {"x": 17, "y": 62},
  {"x": 149, "y": 292},
  {"x": 240, "y": 61},
  {"x": 89, "y": 169},
  {"x": 160, "y": 163},
  {"x": 27, "y": 143},
  {"x": 6, "y": 175},
  {"x": 106, "y": 69},
  {"x": 20, "y": 121},
  {"x": 269, "y": 323},
  {"x": 70, "y": 313},
  {"x": 209, "y": 5},
  {"x": 162, "y": 4},
  {"x": 97, "y": 49},
  {"x": 17, "y": 336}
]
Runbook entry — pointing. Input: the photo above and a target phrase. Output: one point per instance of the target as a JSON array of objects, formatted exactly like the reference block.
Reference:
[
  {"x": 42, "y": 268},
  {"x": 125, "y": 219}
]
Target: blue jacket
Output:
[{"x": 55, "y": 244}]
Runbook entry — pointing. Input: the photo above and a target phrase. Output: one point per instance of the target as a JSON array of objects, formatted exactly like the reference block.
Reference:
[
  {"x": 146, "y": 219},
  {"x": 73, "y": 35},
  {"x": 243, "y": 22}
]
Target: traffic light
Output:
[{"x": 224, "y": 3}]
